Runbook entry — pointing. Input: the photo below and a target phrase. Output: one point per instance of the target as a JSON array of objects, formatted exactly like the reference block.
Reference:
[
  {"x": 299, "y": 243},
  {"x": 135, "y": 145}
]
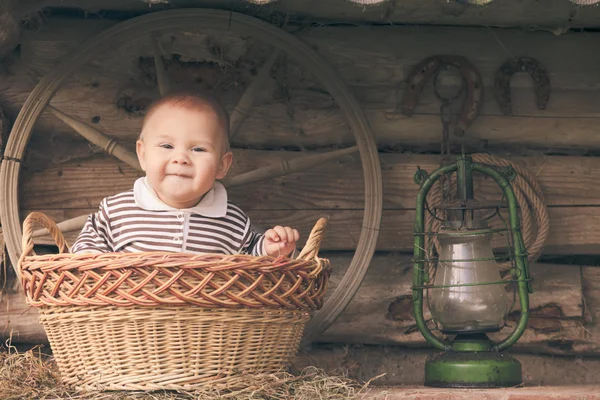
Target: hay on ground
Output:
[{"x": 33, "y": 375}]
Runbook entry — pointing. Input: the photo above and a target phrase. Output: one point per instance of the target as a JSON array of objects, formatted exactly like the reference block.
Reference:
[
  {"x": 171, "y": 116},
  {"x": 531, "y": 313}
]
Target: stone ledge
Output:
[{"x": 579, "y": 392}]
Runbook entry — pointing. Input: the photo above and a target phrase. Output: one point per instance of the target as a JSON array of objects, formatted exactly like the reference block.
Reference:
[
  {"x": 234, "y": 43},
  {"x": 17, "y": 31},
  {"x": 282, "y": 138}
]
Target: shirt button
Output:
[
  {"x": 176, "y": 239},
  {"x": 180, "y": 216}
]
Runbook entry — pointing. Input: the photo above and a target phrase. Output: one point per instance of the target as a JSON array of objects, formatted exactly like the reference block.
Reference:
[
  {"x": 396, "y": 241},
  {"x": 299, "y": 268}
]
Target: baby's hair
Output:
[{"x": 196, "y": 102}]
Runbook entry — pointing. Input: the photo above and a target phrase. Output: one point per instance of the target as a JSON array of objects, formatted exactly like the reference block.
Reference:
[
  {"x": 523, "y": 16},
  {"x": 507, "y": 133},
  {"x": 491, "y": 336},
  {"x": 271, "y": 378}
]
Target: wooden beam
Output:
[
  {"x": 384, "y": 56},
  {"x": 270, "y": 128},
  {"x": 566, "y": 181},
  {"x": 555, "y": 15},
  {"x": 573, "y": 229}
]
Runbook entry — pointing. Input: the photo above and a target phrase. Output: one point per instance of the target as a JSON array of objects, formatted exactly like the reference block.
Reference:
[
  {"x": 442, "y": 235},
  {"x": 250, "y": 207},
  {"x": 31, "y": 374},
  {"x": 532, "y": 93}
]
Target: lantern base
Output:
[{"x": 472, "y": 369}]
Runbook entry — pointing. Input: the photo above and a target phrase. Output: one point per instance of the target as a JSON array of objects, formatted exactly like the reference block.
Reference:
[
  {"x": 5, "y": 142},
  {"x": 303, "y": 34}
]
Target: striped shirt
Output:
[{"x": 136, "y": 221}]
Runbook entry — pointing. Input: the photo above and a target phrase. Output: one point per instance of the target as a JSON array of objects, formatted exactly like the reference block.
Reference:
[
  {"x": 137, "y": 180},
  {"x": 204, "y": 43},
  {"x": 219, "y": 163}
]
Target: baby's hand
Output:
[{"x": 281, "y": 241}]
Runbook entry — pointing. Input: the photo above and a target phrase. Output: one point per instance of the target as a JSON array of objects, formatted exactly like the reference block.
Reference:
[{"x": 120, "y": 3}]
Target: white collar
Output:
[{"x": 213, "y": 204}]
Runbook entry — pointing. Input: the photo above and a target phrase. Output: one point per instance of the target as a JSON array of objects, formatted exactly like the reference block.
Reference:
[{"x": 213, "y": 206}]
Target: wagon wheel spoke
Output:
[
  {"x": 98, "y": 138},
  {"x": 286, "y": 167},
  {"x": 257, "y": 175},
  {"x": 164, "y": 86},
  {"x": 246, "y": 102}
]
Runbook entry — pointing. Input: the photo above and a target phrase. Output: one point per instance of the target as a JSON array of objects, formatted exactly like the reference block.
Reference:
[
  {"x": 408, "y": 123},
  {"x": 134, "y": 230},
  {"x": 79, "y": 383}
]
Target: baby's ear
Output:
[
  {"x": 141, "y": 153},
  {"x": 224, "y": 165}
]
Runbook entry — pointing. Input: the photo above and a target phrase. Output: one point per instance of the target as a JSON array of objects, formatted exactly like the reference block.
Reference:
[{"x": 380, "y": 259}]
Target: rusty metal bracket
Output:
[
  {"x": 521, "y": 64},
  {"x": 423, "y": 71}
]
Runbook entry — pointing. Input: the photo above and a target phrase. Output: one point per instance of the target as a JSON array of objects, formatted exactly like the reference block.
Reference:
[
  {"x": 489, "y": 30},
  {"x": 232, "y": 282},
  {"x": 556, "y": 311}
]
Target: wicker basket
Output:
[{"x": 176, "y": 321}]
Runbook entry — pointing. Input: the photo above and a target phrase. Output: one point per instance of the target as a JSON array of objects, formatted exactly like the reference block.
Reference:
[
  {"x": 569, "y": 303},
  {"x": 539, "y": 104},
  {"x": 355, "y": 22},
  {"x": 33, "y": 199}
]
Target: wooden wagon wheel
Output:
[{"x": 142, "y": 28}]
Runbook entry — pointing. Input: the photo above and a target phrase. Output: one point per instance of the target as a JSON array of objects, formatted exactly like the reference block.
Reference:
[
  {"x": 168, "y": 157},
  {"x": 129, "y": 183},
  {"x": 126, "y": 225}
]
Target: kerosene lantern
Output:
[{"x": 468, "y": 298}]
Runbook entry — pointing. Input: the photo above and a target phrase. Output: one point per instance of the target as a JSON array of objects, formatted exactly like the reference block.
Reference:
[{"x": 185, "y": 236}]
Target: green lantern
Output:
[{"x": 467, "y": 297}]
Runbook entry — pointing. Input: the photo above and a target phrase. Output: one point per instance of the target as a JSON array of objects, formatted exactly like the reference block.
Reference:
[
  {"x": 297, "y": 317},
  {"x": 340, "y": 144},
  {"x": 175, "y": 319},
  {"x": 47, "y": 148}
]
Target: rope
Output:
[{"x": 535, "y": 223}]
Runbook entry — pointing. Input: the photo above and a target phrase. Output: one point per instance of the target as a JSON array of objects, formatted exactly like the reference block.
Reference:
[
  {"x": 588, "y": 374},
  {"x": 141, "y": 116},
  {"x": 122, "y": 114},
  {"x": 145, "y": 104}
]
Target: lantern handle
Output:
[
  {"x": 522, "y": 263},
  {"x": 426, "y": 182}
]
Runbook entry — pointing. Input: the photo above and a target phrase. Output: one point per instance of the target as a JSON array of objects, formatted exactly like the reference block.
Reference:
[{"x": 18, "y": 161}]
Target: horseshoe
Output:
[
  {"x": 421, "y": 74},
  {"x": 522, "y": 64}
]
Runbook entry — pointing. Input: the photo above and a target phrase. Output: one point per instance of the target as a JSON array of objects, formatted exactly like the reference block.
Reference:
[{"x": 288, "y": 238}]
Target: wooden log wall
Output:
[{"x": 65, "y": 177}]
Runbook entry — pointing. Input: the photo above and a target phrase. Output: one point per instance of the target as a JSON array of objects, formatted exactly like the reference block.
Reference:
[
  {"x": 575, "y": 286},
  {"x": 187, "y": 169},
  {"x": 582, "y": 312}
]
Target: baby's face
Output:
[{"x": 181, "y": 151}]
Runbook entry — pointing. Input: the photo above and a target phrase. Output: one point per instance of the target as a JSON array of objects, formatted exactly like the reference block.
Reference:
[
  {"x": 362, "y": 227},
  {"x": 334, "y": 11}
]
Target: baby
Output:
[{"x": 179, "y": 206}]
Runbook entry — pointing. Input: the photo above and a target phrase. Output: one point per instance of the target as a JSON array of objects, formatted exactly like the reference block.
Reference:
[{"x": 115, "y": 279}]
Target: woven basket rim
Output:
[
  {"x": 153, "y": 278},
  {"x": 166, "y": 255},
  {"x": 165, "y": 260}
]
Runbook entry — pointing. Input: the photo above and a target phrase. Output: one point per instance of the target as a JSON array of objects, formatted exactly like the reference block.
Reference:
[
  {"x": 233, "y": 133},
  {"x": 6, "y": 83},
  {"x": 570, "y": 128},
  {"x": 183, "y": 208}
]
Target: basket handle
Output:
[
  {"x": 311, "y": 248},
  {"x": 41, "y": 219}
]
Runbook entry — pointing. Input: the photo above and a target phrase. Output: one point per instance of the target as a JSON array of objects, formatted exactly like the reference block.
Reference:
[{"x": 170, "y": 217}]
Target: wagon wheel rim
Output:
[{"x": 138, "y": 28}]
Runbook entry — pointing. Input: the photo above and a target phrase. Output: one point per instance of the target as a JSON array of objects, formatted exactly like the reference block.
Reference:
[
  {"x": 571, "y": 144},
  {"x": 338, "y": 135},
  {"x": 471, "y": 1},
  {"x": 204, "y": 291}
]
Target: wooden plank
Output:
[
  {"x": 305, "y": 104},
  {"x": 550, "y": 14},
  {"x": 383, "y": 304},
  {"x": 268, "y": 127},
  {"x": 566, "y": 181},
  {"x": 18, "y": 321},
  {"x": 591, "y": 296},
  {"x": 573, "y": 230},
  {"x": 564, "y": 103},
  {"x": 558, "y": 288},
  {"x": 384, "y": 56}
]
